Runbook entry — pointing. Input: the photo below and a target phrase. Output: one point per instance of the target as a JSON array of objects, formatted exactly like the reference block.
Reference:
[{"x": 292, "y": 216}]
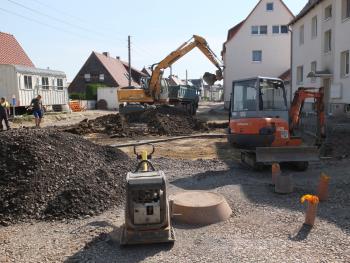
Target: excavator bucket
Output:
[
  {"x": 287, "y": 154},
  {"x": 209, "y": 78}
]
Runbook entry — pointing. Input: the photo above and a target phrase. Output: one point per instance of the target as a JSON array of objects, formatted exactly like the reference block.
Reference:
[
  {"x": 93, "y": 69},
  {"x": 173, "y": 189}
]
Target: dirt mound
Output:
[
  {"x": 167, "y": 120},
  {"x": 162, "y": 120},
  {"x": 50, "y": 174}
]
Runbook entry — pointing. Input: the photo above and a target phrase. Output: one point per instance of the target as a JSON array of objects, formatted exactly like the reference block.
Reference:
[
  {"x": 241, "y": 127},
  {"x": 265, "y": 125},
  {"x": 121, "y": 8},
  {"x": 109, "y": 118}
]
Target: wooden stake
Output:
[
  {"x": 310, "y": 215},
  {"x": 323, "y": 187}
]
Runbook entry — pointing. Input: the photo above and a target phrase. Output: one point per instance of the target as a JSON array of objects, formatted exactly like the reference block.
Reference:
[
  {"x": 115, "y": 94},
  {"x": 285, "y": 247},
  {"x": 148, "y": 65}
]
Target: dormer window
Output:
[{"x": 269, "y": 7}]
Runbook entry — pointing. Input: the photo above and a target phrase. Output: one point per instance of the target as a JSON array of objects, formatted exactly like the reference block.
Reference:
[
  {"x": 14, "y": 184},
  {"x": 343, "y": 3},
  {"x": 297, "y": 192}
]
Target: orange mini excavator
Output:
[{"x": 263, "y": 128}]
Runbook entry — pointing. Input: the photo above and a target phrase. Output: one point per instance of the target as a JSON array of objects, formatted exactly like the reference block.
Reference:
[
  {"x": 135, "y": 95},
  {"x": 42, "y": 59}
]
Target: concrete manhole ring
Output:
[{"x": 199, "y": 207}]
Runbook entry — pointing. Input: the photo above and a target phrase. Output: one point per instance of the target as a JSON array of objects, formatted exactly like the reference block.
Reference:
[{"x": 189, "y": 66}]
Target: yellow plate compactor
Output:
[{"x": 147, "y": 214}]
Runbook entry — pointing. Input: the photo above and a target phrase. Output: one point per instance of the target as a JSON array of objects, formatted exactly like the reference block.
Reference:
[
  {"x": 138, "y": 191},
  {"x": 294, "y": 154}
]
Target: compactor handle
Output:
[
  {"x": 140, "y": 165},
  {"x": 149, "y": 155}
]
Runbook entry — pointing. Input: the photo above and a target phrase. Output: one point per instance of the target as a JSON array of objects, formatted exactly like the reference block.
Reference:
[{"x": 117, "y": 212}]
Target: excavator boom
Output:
[
  {"x": 151, "y": 93},
  {"x": 195, "y": 41}
]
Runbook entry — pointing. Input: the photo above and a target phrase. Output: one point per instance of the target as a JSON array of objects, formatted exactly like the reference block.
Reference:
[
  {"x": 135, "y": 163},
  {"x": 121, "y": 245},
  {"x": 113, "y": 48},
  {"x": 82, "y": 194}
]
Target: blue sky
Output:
[{"x": 62, "y": 34}]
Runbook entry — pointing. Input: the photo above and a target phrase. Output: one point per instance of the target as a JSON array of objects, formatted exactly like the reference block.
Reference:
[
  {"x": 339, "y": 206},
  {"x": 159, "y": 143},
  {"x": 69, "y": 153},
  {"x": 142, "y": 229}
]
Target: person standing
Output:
[
  {"x": 6, "y": 105},
  {"x": 3, "y": 115},
  {"x": 38, "y": 110}
]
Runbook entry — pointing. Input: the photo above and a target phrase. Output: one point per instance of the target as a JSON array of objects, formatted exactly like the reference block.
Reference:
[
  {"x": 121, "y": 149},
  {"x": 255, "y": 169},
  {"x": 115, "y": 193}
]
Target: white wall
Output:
[
  {"x": 275, "y": 47},
  {"x": 110, "y": 96},
  {"x": 313, "y": 50},
  {"x": 8, "y": 83}
]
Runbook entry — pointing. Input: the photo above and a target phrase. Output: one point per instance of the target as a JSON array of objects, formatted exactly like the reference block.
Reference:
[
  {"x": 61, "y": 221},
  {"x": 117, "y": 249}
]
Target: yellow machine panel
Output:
[{"x": 134, "y": 95}]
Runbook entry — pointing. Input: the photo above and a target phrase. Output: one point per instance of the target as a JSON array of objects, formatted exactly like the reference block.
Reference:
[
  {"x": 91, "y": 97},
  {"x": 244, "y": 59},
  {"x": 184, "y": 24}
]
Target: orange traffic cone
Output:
[
  {"x": 311, "y": 210},
  {"x": 323, "y": 186},
  {"x": 276, "y": 171}
]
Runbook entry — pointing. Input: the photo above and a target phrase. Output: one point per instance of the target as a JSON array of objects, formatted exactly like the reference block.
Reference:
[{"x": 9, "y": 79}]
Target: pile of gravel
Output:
[
  {"x": 47, "y": 174},
  {"x": 162, "y": 120}
]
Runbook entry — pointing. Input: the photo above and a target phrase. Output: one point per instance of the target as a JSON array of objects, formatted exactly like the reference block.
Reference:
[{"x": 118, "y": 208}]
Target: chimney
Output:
[
  {"x": 117, "y": 57},
  {"x": 106, "y": 54}
]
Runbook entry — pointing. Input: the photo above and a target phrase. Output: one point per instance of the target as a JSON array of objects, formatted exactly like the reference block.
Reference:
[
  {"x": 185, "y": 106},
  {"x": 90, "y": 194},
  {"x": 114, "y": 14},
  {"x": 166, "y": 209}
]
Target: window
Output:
[
  {"x": 59, "y": 84},
  {"x": 284, "y": 29},
  {"x": 271, "y": 95},
  {"x": 313, "y": 69},
  {"x": 263, "y": 30},
  {"x": 28, "y": 82},
  {"x": 257, "y": 55},
  {"x": 259, "y": 30},
  {"x": 328, "y": 12},
  {"x": 244, "y": 96},
  {"x": 346, "y": 9},
  {"x": 275, "y": 29},
  {"x": 269, "y": 7},
  {"x": 300, "y": 75},
  {"x": 345, "y": 64},
  {"x": 314, "y": 27},
  {"x": 87, "y": 77},
  {"x": 102, "y": 77},
  {"x": 301, "y": 35},
  {"x": 328, "y": 41},
  {"x": 255, "y": 30},
  {"x": 45, "y": 83}
]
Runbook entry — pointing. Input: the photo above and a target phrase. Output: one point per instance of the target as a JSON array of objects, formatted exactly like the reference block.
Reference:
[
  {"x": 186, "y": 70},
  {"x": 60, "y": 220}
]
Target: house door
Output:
[{"x": 327, "y": 94}]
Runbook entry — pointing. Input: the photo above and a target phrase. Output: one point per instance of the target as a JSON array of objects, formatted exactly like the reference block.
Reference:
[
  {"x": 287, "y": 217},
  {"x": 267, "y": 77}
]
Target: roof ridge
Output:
[{"x": 6, "y": 33}]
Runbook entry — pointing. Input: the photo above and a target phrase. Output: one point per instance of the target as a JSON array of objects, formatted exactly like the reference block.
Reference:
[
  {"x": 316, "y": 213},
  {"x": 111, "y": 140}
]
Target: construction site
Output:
[
  {"x": 248, "y": 163},
  {"x": 63, "y": 193}
]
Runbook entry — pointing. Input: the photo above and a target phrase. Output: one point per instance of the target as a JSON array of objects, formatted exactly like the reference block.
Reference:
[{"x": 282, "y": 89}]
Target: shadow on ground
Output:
[
  {"x": 257, "y": 188},
  {"x": 106, "y": 248}
]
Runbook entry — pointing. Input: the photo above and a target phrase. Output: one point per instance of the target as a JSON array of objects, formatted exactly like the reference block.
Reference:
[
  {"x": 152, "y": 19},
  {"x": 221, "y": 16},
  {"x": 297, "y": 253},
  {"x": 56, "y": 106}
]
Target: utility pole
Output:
[
  {"x": 186, "y": 77},
  {"x": 129, "y": 52}
]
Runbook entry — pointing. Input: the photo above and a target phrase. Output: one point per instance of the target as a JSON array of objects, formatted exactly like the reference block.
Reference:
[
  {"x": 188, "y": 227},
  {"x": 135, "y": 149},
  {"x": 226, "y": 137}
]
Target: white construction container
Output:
[
  {"x": 109, "y": 94},
  {"x": 25, "y": 83}
]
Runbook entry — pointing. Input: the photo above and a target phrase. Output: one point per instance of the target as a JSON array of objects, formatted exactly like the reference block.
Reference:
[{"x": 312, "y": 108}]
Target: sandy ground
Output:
[
  {"x": 264, "y": 226},
  {"x": 58, "y": 119}
]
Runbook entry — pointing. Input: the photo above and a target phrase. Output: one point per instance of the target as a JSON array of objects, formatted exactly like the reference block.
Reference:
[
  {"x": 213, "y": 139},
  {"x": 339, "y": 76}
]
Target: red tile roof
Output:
[
  {"x": 11, "y": 51},
  {"x": 116, "y": 68}
]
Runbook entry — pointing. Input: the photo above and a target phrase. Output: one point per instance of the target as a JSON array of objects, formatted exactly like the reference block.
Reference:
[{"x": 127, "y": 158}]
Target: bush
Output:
[
  {"x": 91, "y": 90},
  {"x": 77, "y": 96}
]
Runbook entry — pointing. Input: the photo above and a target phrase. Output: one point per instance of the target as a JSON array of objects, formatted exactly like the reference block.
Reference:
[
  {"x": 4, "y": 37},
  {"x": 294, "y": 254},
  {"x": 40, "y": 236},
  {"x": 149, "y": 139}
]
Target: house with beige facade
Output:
[
  {"x": 260, "y": 45},
  {"x": 320, "y": 51}
]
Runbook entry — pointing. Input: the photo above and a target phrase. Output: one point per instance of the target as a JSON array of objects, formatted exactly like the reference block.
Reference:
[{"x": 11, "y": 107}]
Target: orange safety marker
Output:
[
  {"x": 323, "y": 187},
  {"x": 311, "y": 210},
  {"x": 276, "y": 171}
]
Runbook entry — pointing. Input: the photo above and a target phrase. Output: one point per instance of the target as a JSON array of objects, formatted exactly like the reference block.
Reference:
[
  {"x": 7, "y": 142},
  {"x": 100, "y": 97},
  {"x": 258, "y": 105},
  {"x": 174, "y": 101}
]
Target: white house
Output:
[
  {"x": 259, "y": 45},
  {"x": 20, "y": 79},
  {"x": 320, "y": 51},
  {"x": 25, "y": 83}
]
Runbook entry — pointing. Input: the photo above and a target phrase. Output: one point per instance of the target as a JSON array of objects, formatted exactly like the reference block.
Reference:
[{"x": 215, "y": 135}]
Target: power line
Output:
[
  {"x": 45, "y": 24},
  {"x": 59, "y": 20}
]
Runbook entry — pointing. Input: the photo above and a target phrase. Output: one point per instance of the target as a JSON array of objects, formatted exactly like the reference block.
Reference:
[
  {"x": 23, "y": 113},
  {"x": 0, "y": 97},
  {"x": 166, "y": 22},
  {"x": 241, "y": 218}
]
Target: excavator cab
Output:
[{"x": 259, "y": 97}]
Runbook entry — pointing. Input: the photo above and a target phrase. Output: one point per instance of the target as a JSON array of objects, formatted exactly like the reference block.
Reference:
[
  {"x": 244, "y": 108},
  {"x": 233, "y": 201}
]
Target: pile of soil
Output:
[
  {"x": 161, "y": 120},
  {"x": 47, "y": 174}
]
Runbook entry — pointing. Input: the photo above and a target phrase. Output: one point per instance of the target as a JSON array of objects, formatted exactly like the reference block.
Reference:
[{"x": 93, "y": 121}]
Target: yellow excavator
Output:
[{"x": 155, "y": 90}]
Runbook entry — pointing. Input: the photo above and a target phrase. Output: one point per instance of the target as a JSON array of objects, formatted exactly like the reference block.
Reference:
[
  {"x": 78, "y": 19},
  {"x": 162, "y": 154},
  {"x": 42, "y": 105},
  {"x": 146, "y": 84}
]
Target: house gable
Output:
[
  {"x": 115, "y": 73},
  {"x": 94, "y": 67},
  {"x": 260, "y": 11}
]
